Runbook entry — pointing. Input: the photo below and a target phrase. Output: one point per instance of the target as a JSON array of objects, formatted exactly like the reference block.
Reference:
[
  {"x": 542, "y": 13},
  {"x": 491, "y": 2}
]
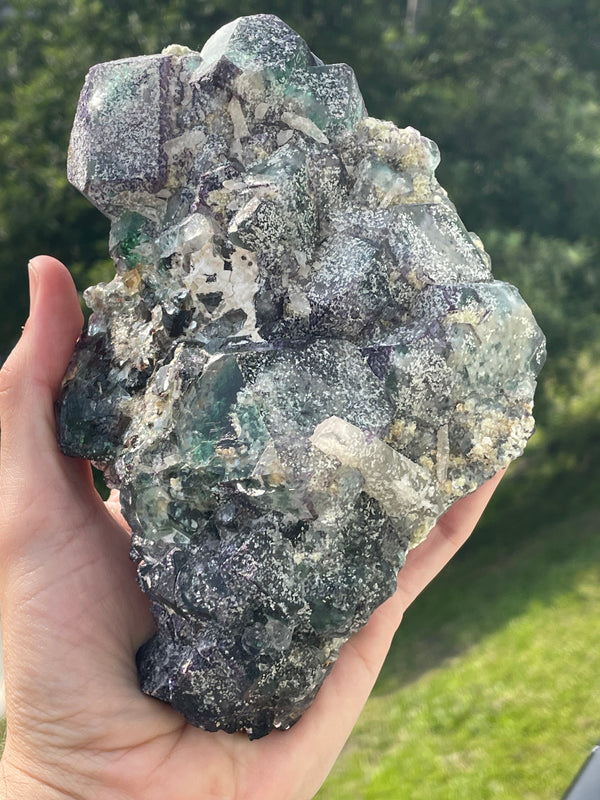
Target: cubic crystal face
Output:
[{"x": 302, "y": 361}]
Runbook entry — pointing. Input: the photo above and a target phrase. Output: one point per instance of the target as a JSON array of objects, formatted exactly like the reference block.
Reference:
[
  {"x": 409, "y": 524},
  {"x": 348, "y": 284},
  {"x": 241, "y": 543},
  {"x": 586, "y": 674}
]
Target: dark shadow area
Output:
[{"x": 100, "y": 484}]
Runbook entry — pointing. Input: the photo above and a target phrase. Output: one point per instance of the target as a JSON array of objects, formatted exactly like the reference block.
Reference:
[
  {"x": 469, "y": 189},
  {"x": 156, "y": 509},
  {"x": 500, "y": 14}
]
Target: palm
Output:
[{"x": 74, "y": 619}]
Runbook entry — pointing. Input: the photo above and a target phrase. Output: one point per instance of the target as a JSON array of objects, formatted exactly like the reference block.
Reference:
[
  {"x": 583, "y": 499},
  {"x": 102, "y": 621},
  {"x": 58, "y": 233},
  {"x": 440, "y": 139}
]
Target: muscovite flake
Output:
[{"x": 302, "y": 361}]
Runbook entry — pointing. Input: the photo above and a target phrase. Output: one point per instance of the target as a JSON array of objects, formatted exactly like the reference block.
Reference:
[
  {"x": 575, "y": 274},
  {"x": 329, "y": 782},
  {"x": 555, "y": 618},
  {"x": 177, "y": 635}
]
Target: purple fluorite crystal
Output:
[{"x": 302, "y": 361}]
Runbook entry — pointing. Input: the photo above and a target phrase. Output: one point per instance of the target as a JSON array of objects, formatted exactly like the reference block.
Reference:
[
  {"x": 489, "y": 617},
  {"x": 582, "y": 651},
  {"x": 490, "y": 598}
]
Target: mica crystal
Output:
[{"x": 302, "y": 361}]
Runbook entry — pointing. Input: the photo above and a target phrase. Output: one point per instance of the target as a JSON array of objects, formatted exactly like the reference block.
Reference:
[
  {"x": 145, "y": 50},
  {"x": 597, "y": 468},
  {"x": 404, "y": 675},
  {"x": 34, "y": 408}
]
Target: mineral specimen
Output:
[{"x": 303, "y": 360}]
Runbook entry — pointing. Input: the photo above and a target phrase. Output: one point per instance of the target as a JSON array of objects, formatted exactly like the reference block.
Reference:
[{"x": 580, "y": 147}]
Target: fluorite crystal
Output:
[{"x": 302, "y": 361}]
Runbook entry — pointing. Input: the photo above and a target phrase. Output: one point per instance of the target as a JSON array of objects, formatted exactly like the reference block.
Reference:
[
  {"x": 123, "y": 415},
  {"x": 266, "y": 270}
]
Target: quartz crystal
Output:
[{"x": 302, "y": 361}]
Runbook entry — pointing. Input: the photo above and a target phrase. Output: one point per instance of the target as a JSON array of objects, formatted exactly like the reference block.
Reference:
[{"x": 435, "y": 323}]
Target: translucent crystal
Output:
[{"x": 302, "y": 361}]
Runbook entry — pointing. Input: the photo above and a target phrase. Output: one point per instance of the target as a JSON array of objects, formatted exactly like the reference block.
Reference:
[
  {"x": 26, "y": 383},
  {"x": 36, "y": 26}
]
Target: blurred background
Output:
[{"x": 489, "y": 690}]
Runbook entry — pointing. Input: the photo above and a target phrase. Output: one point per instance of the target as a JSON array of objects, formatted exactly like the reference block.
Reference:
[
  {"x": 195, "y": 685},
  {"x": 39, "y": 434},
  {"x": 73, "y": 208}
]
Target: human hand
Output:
[{"x": 74, "y": 617}]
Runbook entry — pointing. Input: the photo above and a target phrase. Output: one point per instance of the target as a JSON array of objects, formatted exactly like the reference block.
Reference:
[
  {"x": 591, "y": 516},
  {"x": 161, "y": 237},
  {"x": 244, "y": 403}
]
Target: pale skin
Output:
[{"x": 73, "y": 618}]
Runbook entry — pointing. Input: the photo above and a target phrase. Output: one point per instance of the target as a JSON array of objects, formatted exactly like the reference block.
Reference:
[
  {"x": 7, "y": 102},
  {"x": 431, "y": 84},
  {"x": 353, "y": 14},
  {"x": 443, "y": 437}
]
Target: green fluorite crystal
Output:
[{"x": 302, "y": 361}]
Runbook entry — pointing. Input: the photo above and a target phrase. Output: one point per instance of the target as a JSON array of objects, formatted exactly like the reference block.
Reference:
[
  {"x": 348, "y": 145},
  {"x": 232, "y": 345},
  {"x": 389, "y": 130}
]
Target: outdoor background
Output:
[{"x": 490, "y": 690}]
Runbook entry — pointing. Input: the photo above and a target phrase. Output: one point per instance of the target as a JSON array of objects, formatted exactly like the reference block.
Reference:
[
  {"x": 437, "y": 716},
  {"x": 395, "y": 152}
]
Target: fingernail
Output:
[{"x": 33, "y": 285}]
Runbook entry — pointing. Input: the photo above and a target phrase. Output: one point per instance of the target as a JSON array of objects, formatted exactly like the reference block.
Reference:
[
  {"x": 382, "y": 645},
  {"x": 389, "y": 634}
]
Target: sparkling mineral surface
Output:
[{"x": 302, "y": 361}]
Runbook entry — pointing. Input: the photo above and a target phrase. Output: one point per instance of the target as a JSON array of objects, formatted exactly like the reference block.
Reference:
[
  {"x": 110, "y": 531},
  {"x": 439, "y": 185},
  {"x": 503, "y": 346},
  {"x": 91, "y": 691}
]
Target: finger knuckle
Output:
[
  {"x": 8, "y": 381},
  {"x": 11, "y": 384}
]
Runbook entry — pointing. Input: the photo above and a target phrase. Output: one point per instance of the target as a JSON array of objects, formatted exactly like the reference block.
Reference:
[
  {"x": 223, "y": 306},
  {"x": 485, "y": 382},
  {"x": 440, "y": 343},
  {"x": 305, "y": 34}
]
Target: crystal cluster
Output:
[{"x": 302, "y": 361}]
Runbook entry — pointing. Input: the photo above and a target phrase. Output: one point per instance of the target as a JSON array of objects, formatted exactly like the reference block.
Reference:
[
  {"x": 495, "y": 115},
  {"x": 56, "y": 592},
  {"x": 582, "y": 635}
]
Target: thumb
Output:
[{"x": 30, "y": 379}]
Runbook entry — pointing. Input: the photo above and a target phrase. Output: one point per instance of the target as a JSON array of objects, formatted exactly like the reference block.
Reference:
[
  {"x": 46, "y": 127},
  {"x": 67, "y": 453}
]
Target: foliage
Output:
[
  {"x": 518, "y": 123},
  {"x": 560, "y": 280}
]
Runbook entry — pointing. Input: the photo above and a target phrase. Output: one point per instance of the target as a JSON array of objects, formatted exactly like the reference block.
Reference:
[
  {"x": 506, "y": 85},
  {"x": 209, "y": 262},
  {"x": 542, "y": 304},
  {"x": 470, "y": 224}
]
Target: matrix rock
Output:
[{"x": 302, "y": 361}]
